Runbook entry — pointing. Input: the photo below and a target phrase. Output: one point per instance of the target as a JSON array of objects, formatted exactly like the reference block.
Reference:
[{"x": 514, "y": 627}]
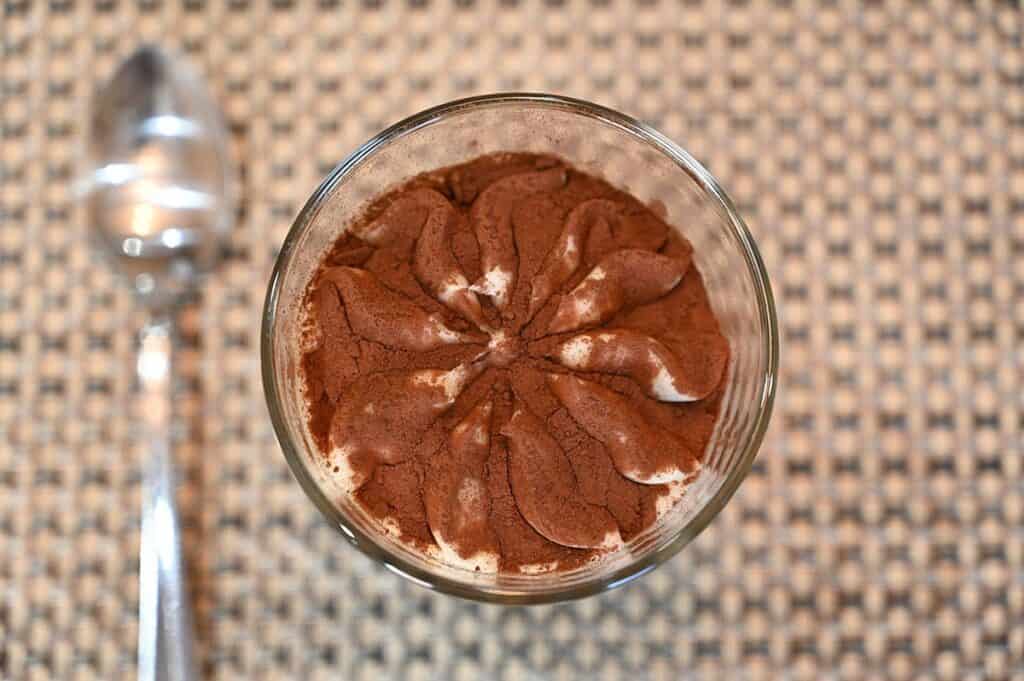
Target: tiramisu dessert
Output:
[{"x": 511, "y": 364}]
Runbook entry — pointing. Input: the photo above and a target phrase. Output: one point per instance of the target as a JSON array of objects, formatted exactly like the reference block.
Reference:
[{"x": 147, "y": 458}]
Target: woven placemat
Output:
[{"x": 877, "y": 151}]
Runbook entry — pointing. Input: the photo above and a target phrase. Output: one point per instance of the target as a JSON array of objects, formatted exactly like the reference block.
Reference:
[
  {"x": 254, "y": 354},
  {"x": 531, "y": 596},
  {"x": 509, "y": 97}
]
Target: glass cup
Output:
[{"x": 627, "y": 154}]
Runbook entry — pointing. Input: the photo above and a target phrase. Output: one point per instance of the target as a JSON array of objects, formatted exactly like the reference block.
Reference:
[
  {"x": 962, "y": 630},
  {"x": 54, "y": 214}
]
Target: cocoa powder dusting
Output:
[{"x": 508, "y": 360}]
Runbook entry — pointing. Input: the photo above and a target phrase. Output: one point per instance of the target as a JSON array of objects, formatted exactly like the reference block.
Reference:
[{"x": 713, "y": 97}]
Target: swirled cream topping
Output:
[{"x": 511, "y": 364}]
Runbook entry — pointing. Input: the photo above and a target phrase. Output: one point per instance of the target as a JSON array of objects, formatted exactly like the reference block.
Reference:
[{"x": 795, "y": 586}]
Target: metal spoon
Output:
[{"x": 160, "y": 200}]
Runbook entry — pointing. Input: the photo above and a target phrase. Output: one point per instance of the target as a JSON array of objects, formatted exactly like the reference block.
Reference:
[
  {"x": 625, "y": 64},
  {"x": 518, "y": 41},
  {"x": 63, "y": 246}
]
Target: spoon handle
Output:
[{"x": 165, "y": 619}]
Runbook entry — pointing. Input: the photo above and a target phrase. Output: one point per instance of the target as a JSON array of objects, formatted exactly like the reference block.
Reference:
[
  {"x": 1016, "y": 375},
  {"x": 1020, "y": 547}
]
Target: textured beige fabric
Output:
[{"x": 877, "y": 151}]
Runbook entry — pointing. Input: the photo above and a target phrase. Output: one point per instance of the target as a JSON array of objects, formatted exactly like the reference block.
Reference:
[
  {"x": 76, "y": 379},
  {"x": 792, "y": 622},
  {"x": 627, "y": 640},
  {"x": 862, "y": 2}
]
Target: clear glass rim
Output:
[{"x": 293, "y": 451}]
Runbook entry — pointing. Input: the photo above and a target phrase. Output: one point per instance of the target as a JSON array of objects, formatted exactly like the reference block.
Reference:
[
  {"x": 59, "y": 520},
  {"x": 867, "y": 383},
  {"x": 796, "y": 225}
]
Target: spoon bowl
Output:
[{"x": 160, "y": 192}]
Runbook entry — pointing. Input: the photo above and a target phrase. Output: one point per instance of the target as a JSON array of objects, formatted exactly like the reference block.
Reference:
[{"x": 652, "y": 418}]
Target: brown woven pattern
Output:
[{"x": 877, "y": 151}]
